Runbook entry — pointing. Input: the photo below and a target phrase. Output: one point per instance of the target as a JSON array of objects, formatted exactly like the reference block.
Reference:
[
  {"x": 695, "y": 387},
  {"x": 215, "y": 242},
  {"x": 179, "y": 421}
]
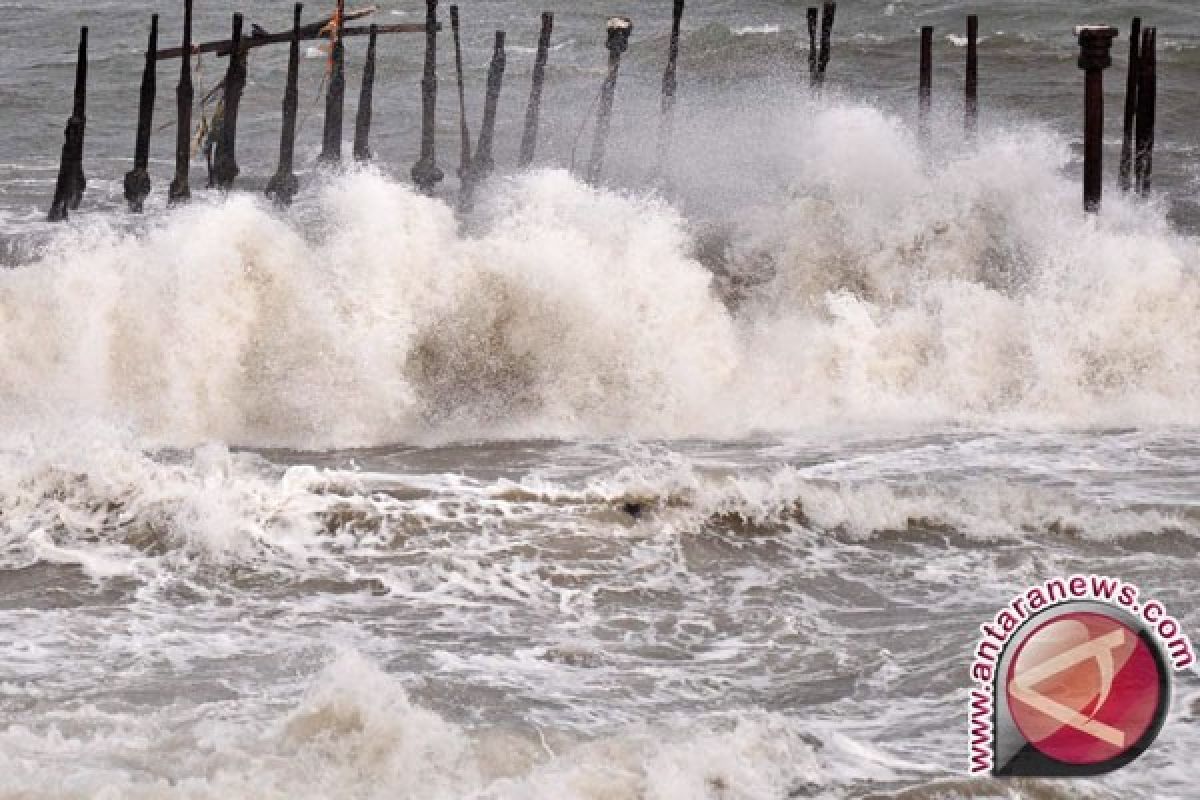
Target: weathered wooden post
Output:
[
  {"x": 283, "y": 184},
  {"x": 813, "y": 21},
  {"x": 669, "y": 86},
  {"x": 972, "y": 83},
  {"x": 925, "y": 89},
  {"x": 534, "y": 109},
  {"x": 225, "y": 167},
  {"x": 1132, "y": 78},
  {"x": 362, "y": 122},
  {"x": 828, "y": 10},
  {"x": 425, "y": 173},
  {"x": 68, "y": 191},
  {"x": 464, "y": 132},
  {"x": 1147, "y": 108},
  {"x": 1095, "y": 44},
  {"x": 619, "y": 30},
  {"x": 335, "y": 98},
  {"x": 483, "y": 163},
  {"x": 137, "y": 180},
  {"x": 180, "y": 189}
]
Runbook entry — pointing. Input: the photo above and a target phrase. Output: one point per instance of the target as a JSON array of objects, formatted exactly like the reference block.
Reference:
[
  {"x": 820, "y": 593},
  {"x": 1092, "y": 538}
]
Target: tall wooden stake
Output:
[
  {"x": 362, "y": 122},
  {"x": 483, "y": 164},
  {"x": 1095, "y": 44},
  {"x": 828, "y": 11},
  {"x": 180, "y": 190},
  {"x": 283, "y": 185},
  {"x": 619, "y": 30},
  {"x": 670, "y": 84},
  {"x": 335, "y": 98},
  {"x": 1147, "y": 108},
  {"x": 533, "y": 111},
  {"x": 972, "y": 83},
  {"x": 225, "y": 169},
  {"x": 425, "y": 173},
  {"x": 925, "y": 89},
  {"x": 464, "y": 132},
  {"x": 137, "y": 180},
  {"x": 68, "y": 191},
  {"x": 813, "y": 53},
  {"x": 1133, "y": 76}
]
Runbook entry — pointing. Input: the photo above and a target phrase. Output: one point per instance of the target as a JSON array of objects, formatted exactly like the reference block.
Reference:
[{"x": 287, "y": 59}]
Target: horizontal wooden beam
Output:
[{"x": 307, "y": 33}]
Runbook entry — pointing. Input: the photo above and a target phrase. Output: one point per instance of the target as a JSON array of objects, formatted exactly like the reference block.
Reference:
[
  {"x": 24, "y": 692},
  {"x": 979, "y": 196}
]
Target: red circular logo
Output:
[{"x": 1084, "y": 688}]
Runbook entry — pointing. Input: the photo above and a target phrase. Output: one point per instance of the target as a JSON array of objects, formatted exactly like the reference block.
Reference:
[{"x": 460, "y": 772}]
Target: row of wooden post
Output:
[{"x": 971, "y": 83}]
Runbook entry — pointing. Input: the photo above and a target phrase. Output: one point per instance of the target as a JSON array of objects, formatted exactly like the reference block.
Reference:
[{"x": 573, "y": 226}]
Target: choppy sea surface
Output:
[{"x": 695, "y": 484}]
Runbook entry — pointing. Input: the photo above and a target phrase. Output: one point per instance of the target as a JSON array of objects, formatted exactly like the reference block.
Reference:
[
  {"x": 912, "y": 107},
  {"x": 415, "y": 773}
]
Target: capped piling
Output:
[
  {"x": 1132, "y": 78},
  {"x": 335, "y": 98},
  {"x": 1095, "y": 45},
  {"x": 68, "y": 190},
  {"x": 425, "y": 173},
  {"x": 1147, "y": 108},
  {"x": 180, "y": 189},
  {"x": 137, "y": 180},
  {"x": 533, "y": 110},
  {"x": 283, "y": 185},
  {"x": 362, "y": 122},
  {"x": 971, "y": 102},
  {"x": 225, "y": 169},
  {"x": 619, "y": 30}
]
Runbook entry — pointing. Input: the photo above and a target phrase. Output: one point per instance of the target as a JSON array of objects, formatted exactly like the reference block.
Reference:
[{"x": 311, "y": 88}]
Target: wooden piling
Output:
[
  {"x": 335, "y": 98},
  {"x": 925, "y": 84},
  {"x": 971, "y": 103},
  {"x": 1146, "y": 109},
  {"x": 180, "y": 189},
  {"x": 225, "y": 168},
  {"x": 483, "y": 164},
  {"x": 1095, "y": 44},
  {"x": 1132, "y": 78},
  {"x": 670, "y": 85},
  {"x": 137, "y": 180},
  {"x": 464, "y": 131},
  {"x": 283, "y": 185},
  {"x": 362, "y": 122},
  {"x": 813, "y": 47},
  {"x": 828, "y": 11},
  {"x": 68, "y": 190},
  {"x": 534, "y": 109},
  {"x": 425, "y": 173},
  {"x": 619, "y": 30}
]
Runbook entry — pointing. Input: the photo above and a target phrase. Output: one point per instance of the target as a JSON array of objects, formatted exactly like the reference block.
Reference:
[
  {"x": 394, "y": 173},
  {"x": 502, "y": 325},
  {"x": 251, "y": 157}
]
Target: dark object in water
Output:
[
  {"x": 283, "y": 185},
  {"x": 619, "y": 30},
  {"x": 925, "y": 86},
  {"x": 634, "y": 510},
  {"x": 828, "y": 11},
  {"x": 1147, "y": 105},
  {"x": 425, "y": 173},
  {"x": 670, "y": 85},
  {"x": 68, "y": 191},
  {"x": 180, "y": 189},
  {"x": 971, "y": 102},
  {"x": 464, "y": 132},
  {"x": 335, "y": 98},
  {"x": 1132, "y": 78},
  {"x": 362, "y": 122},
  {"x": 1095, "y": 44},
  {"x": 137, "y": 180},
  {"x": 533, "y": 111},
  {"x": 813, "y": 53},
  {"x": 225, "y": 167},
  {"x": 483, "y": 163}
]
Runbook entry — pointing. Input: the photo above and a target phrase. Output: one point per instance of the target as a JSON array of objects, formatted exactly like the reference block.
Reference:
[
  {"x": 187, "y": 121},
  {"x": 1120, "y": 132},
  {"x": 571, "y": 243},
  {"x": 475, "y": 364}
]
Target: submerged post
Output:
[
  {"x": 534, "y": 109},
  {"x": 972, "y": 84},
  {"x": 670, "y": 84},
  {"x": 180, "y": 190},
  {"x": 283, "y": 184},
  {"x": 425, "y": 173},
  {"x": 813, "y": 22},
  {"x": 68, "y": 191},
  {"x": 335, "y": 98},
  {"x": 1132, "y": 78},
  {"x": 483, "y": 163},
  {"x": 362, "y": 122},
  {"x": 619, "y": 29},
  {"x": 1147, "y": 108},
  {"x": 828, "y": 10},
  {"x": 925, "y": 89},
  {"x": 464, "y": 132},
  {"x": 1095, "y": 44},
  {"x": 137, "y": 180},
  {"x": 225, "y": 169}
]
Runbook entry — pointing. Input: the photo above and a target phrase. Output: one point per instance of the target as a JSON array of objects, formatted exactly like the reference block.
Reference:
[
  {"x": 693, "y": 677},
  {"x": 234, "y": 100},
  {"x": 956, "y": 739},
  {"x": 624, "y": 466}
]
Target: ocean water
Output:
[{"x": 695, "y": 484}]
